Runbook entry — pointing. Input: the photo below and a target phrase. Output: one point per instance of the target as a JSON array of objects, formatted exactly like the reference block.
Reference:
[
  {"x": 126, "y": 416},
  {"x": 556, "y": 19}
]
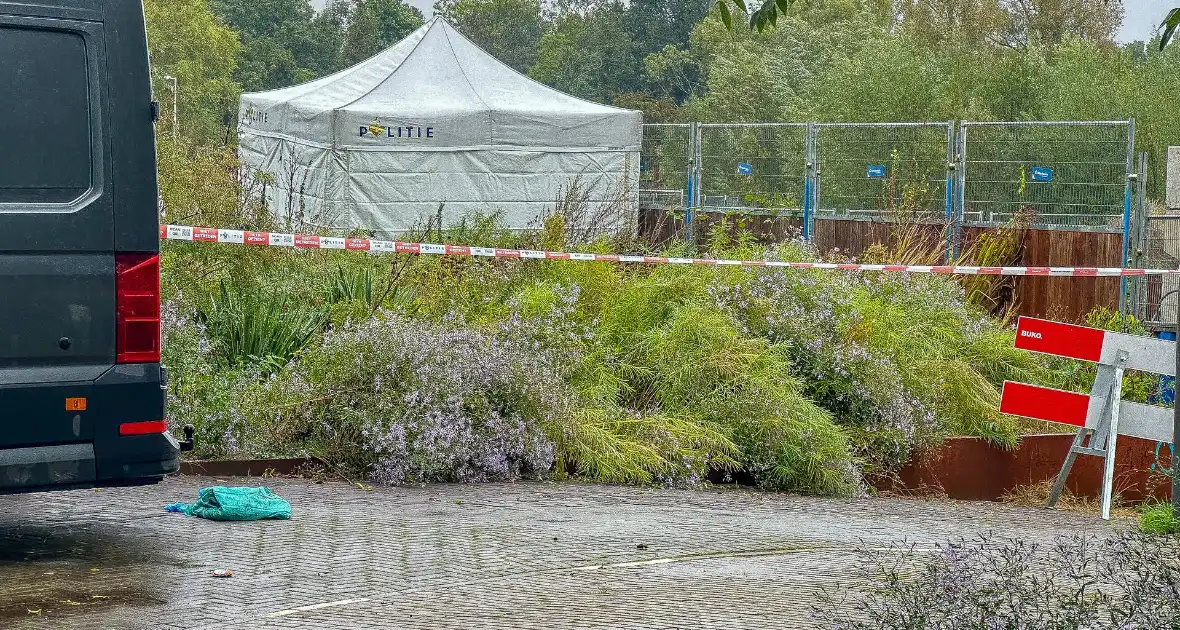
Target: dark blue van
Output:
[{"x": 81, "y": 387}]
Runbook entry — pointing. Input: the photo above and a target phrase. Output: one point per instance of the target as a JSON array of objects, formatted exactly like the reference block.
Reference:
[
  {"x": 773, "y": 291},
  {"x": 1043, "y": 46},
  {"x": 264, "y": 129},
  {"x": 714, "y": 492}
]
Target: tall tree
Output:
[
  {"x": 287, "y": 42},
  {"x": 1050, "y": 22},
  {"x": 657, "y": 24},
  {"x": 589, "y": 51},
  {"x": 395, "y": 20},
  {"x": 266, "y": 64},
  {"x": 672, "y": 73},
  {"x": 271, "y": 33},
  {"x": 186, "y": 41},
  {"x": 263, "y": 18},
  {"x": 363, "y": 37},
  {"x": 508, "y": 29},
  {"x": 1009, "y": 22},
  {"x": 319, "y": 52}
]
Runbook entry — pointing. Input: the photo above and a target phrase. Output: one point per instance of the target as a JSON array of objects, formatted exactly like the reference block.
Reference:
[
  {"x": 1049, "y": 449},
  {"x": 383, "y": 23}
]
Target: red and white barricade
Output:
[{"x": 1102, "y": 415}]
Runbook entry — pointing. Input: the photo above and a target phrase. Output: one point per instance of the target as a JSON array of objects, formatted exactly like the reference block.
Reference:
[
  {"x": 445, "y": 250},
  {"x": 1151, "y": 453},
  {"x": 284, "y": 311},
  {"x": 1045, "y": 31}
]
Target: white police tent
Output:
[{"x": 434, "y": 119}]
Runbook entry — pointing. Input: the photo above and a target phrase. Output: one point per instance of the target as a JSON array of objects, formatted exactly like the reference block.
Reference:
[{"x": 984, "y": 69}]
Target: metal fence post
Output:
[
  {"x": 1131, "y": 177},
  {"x": 694, "y": 180},
  {"x": 950, "y": 191},
  {"x": 810, "y": 183},
  {"x": 960, "y": 206},
  {"x": 1138, "y": 303}
]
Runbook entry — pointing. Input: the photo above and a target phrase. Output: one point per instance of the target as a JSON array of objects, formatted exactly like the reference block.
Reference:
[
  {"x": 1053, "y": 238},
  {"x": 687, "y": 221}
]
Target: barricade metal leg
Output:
[
  {"x": 1059, "y": 483},
  {"x": 1116, "y": 396},
  {"x": 1103, "y": 389}
]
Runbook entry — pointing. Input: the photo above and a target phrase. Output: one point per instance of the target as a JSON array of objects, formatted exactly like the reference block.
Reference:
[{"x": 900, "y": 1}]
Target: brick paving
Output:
[{"x": 526, "y": 555}]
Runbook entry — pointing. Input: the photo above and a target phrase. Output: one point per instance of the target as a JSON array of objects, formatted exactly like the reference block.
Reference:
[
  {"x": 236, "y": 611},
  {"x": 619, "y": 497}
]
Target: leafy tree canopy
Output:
[
  {"x": 508, "y": 29},
  {"x": 187, "y": 42}
]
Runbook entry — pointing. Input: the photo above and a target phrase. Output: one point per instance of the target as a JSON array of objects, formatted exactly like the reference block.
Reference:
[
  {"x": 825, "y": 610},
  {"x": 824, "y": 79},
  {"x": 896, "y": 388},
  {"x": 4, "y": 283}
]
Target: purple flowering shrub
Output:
[
  {"x": 201, "y": 391},
  {"x": 408, "y": 400}
]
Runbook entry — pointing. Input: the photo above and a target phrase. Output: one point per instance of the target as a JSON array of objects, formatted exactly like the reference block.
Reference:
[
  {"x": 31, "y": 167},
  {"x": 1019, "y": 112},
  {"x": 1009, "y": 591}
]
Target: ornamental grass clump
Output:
[
  {"x": 709, "y": 395},
  {"x": 900, "y": 361}
]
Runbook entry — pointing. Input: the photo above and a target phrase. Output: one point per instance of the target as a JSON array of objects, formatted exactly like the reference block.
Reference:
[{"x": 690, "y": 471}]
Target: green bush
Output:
[{"x": 1079, "y": 376}]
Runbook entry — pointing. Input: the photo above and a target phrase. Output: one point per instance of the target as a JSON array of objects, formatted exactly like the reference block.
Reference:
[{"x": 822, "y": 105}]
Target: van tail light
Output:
[
  {"x": 137, "y": 308},
  {"x": 143, "y": 428}
]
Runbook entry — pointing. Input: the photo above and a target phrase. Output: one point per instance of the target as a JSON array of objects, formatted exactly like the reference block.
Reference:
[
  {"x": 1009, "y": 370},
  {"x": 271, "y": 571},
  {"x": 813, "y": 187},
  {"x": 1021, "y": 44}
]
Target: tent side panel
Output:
[
  {"x": 394, "y": 191},
  {"x": 302, "y": 185}
]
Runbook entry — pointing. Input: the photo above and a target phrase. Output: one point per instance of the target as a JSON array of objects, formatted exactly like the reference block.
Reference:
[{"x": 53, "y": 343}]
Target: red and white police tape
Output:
[{"x": 307, "y": 241}]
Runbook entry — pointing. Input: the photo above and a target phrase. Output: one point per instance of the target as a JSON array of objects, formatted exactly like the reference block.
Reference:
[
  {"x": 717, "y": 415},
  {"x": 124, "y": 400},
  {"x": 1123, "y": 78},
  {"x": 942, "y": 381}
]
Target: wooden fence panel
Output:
[{"x": 1059, "y": 298}]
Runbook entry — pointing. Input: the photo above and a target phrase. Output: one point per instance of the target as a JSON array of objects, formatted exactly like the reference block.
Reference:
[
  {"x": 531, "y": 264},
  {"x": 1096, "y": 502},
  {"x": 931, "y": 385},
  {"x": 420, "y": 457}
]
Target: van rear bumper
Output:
[
  {"x": 144, "y": 459},
  {"x": 45, "y": 446},
  {"x": 37, "y": 466},
  {"x": 147, "y": 458}
]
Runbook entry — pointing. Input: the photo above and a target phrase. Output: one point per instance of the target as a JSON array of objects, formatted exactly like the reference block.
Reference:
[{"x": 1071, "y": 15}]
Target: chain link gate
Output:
[
  {"x": 754, "y": 169},
  {"x": 892, "y": 171}
]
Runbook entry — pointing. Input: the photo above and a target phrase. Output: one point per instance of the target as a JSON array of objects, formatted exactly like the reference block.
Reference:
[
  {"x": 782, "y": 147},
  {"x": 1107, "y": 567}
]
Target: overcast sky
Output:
[{"x": 1141, "y": 19}]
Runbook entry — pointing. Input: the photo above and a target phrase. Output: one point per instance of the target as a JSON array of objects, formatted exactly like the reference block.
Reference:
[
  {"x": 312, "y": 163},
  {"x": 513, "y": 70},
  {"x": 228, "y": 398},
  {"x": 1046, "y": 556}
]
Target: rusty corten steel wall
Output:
[{"x": 971, "y": 469}]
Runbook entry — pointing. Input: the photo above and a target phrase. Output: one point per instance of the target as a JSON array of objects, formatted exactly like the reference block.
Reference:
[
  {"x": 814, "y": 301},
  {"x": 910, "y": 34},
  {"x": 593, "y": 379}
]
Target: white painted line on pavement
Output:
[{"x": 291, "y": 611}]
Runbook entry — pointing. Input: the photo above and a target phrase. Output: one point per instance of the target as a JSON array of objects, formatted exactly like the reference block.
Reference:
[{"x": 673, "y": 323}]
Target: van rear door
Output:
[{"x": 57, "y": 226}]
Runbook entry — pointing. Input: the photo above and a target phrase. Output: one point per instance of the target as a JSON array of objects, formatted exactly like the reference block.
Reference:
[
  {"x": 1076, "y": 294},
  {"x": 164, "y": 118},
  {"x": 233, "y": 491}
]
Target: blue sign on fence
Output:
[
  {"x": 1042, "y": 174},
  {"x": 875, "y": 171},
  {"x": 745, "y": 168}
]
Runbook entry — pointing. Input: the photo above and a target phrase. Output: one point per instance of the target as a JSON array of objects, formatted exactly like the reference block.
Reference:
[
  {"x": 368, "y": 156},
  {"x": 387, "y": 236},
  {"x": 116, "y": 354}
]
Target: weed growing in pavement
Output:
[
  {"x": 1129, "y": 581},
  {"x": 1037, "y": 496},
  {"x": 1159, "y": 518}
]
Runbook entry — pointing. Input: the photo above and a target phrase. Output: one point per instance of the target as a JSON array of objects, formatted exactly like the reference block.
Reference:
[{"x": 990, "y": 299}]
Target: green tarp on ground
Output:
[{"x": 220, "y": 503}]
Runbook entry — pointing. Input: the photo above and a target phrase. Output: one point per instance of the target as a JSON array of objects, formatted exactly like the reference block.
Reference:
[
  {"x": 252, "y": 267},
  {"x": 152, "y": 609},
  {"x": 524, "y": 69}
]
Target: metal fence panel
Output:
[
  {"x": 1051, "y": 175},
  {"x": 1160, "y": 295},
  {"x": 883, "y": 170},
  {"x": 753, "y": 168},
  {"x": 1064, "y": 175},
  {"x": 665, "y": 161},
  {"x": 666, "y": 165}
]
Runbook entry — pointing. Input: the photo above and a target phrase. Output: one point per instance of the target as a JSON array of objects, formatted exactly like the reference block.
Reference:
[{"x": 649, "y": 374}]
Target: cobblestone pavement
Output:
[{"x": 526, "y": 555}]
